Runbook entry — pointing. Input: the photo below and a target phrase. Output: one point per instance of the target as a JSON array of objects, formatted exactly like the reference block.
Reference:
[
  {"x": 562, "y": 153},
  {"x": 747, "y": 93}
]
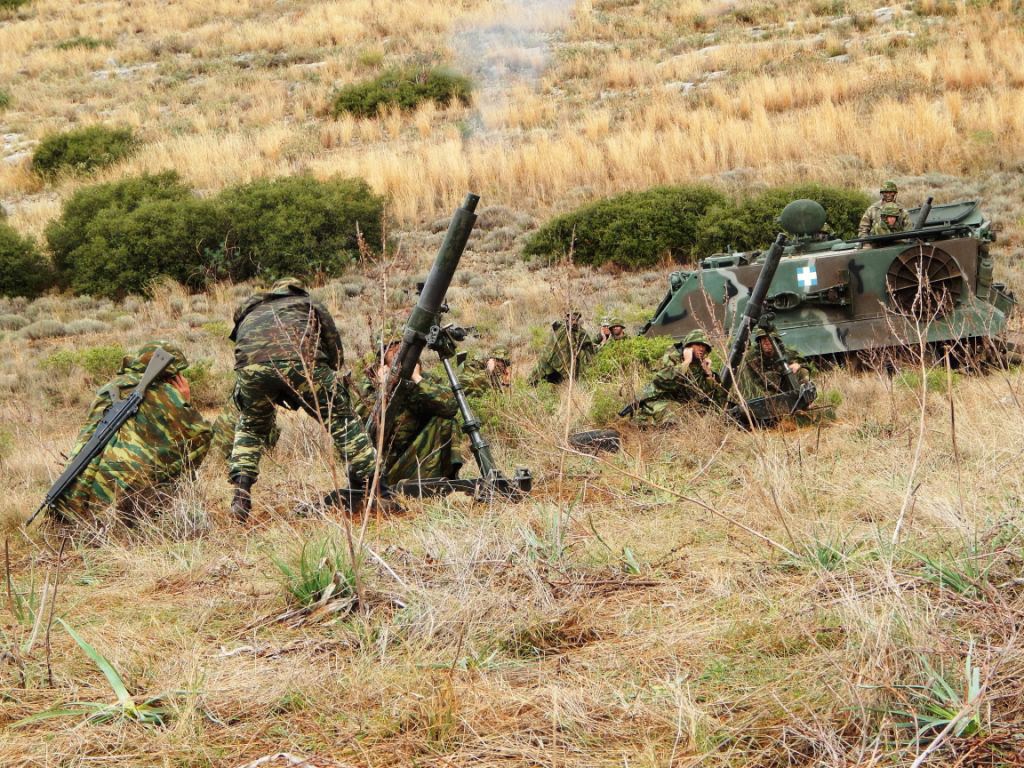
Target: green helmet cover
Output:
[
  {"x": 888, "y": 186},
  {"x": 137, "y": 363}
]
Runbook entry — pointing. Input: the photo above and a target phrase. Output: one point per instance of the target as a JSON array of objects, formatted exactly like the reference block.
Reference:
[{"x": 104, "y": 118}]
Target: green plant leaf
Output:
[{"x": 123, "y": 697}]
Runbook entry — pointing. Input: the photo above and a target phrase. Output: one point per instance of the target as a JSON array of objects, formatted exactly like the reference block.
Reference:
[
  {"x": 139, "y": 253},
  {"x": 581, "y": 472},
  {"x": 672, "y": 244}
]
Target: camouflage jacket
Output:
[
  {"x": 556, "y": 360},
  {"x": 164, "y": 439},
  {"x": 286, "y": 324},
  {"x": 676, "y": 381},
  {"x": 476, "y": 379},
  {"x": 421, "y": 436},
  {"x": 759, "y": 376},
  {"x": 872, "y": 218}
]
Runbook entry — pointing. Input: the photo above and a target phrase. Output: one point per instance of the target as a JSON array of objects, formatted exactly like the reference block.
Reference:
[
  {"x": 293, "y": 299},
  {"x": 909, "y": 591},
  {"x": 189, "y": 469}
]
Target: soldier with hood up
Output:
[
  {"x": 166, "y": 439},
  {"x": 685, "y": 376},
  {"x": 287, "y": 353},
  {"x": 568, "y": 351}
]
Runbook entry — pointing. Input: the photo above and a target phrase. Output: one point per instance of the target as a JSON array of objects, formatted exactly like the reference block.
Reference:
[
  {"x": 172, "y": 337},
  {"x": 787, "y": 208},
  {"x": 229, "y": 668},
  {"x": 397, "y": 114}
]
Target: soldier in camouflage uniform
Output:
[
  {"x": 421, "y": 439},
  {"x": 759, "y": 373},
  {"x": 164, "y": 440},
  {"x": 287, "y": 353},
  {"x": 873, "y": 215},
  {"x": 889, "y": 220},
  {"x": 477, "y": 375},
  {"x": 612, "y": 329},
  {"x": 685, "y": 376},
  {"x": 569, "y": 350},
  {"x": 224, "y": 427}
]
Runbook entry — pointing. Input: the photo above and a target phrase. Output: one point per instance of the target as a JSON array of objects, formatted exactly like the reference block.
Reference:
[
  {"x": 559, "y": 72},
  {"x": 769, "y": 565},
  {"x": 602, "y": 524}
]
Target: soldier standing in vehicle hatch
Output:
[{"x": 873, "y": 215}]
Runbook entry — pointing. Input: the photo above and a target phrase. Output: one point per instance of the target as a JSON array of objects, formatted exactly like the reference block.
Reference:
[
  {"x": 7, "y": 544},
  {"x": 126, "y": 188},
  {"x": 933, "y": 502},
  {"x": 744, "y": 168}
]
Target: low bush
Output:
[
  {"x": 86, "y": 325},
  {"x": 82, "y": 150},
  {"x": 71, "y": 231},
  {"x": 404, "y": 88},
  {"x": 633, "y": 230},
  {"x": 5, "y": 99},
  {"x": 619, "y": 357},
  {"x": 125, "y": 252},
  {"x": 751, "y": 223},
  {"x": 47, "y": 328},
  {"x": 11, "y": 322},
  {"x": 115, "y": 239},
  {"x": 24, "y": 270},
  {"x": 11, "y": 5},
  {"x": 639, "y": 229},
  {"x": 80, "y": 41},
  {"x": 299, "y": 225}
]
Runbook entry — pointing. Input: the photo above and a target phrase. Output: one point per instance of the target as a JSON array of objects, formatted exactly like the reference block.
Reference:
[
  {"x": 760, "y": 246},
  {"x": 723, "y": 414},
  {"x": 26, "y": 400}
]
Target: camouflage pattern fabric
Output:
[
  {"x": 565, "y": 346},
  {"x": 476, "y": 379},
  {"x": 224, "y": 427},
  {"x": 677, "y": 382},
  {"x": 318, "y": 391},
  {"x": 166, "y": 439},
  {"x": 422, "y": 438},
  {"x": 872, "y": 218},
  {"x": 759, "y": 376},
  {"x": 285, "y": 323}
]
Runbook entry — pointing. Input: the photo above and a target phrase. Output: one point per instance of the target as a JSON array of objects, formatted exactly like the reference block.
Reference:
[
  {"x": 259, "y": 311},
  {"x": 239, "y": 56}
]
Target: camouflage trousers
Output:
[
  {"x": 433, "y": 453},
  {"x": 318, "y": 391}
]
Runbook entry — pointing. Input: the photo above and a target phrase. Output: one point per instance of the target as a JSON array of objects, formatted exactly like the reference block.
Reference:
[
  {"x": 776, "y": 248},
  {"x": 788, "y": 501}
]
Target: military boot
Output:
[{"x": 241, "y": 504}]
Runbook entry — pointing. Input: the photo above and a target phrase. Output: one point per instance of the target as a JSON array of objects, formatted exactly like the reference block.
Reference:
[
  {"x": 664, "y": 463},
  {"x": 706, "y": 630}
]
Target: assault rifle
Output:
[
  {"x": 117, "y": 414},
  {"x": 424, "y": 330},
  {"x": 764, "y": 411}
]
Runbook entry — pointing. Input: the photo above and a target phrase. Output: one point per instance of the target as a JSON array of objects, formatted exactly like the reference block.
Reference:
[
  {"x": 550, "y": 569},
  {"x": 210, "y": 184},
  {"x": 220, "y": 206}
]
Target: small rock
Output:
[
  {"x": 718, "y": 74},
  {"x": 679, "y": 86},
  {"x": 842, "y": 21},
  {"x": 885, "y": 15},
  {"x": 17, "y": 157},
  {"x": 843, "y": 58}
]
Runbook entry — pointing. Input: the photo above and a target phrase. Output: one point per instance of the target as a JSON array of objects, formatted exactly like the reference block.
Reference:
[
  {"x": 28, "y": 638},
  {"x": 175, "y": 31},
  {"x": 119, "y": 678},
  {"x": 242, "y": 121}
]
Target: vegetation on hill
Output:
[
  {"x": 83, "y": 150},
  {"x": 404, "y": 88}
]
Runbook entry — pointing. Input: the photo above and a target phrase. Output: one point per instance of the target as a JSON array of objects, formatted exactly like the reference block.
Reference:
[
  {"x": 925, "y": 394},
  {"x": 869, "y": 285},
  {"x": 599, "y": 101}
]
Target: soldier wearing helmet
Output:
[
  {"x": 612, "y": 329},
  {"x": 873, "y": 215},
  {"x": 166, "y": 439},
  {"x": 889, "y": 217},
  {"x": 568, "y": 350},
  {"x": 685, "y": 376},
  {"x": 759, "y": 373},
  {"x": 287, "y": 353}
]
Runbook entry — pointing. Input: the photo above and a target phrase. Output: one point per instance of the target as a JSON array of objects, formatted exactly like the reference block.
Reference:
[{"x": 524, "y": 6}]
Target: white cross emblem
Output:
[{"x": 807, "y": 276}]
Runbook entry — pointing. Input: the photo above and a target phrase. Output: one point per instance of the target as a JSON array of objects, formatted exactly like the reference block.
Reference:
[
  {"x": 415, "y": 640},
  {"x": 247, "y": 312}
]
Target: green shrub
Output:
[
  {"x": 10, "y": 5},
  {"x": 67, "y": 234},
  {"x": 24, "y": 271},
  {"x": 125, "y": 252},
  {"x": 82, "y": 150},
  {"x": 405, "y": 88},
  {"x": 5, "y": 100},
  {"x": 59, "y": 363},
  {"x": 101, "y": 362},
  {"x": 632, "y": 230},
  {"x": 635, "y": 353},
  {"x": 751, "y": 223},
  {"x": 80, "y": 41},
  {"x": 299, "y": 225}
]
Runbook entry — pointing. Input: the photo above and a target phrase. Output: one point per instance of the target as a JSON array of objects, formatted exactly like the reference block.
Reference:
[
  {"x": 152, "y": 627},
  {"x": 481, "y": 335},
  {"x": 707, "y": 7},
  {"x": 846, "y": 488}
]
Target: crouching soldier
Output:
[
  {"x": 287, "y": 353},
  {"x": 568, "y": 351},
  {"x": 421, "y": 439},
  {"x": 685, "y": 376},
  {"x": 494, "y": 372},
  {"x": 760, "y": 374},
  {"x": 165, "y": 440}
]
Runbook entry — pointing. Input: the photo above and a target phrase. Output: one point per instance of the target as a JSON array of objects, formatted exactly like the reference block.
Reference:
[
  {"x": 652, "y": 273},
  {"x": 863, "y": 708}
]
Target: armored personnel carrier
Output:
[{"x": 831, "y": 297}]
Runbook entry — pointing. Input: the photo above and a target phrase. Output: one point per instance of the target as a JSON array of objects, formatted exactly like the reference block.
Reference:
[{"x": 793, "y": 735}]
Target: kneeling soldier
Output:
[
  {"x": 164, "y": 440},
  {"x": 287, "y": 352},
  {"x": 685, "y": 376}
]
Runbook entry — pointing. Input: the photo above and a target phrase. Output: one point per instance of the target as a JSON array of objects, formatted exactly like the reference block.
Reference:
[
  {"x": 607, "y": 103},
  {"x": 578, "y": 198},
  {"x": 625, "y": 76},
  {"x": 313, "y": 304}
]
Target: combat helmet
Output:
[
  {"x": 888, "y": 186},
  {"x": 137, "y": 363},
  {"x": 289, "y": 285},
  {"x": 696, "y": 336},
  {"x": 890, "y": 209},
  {"x": 612, "y": 321},
  {"x": 500, "y": 353}
]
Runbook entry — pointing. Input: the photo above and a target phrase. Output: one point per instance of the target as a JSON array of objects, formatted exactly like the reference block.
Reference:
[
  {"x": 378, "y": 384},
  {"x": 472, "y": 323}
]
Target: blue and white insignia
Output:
[{"x": 807, "y": 276}]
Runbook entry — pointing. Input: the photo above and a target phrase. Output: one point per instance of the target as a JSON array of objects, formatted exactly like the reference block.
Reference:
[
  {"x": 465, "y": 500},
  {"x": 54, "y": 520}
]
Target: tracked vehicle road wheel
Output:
[{"x": 924, "y": 282}]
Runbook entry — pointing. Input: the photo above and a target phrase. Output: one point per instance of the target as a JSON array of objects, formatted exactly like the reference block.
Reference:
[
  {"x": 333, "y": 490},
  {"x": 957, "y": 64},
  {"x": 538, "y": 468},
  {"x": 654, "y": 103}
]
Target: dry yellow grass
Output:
[{"x": 707, "y": 597}]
